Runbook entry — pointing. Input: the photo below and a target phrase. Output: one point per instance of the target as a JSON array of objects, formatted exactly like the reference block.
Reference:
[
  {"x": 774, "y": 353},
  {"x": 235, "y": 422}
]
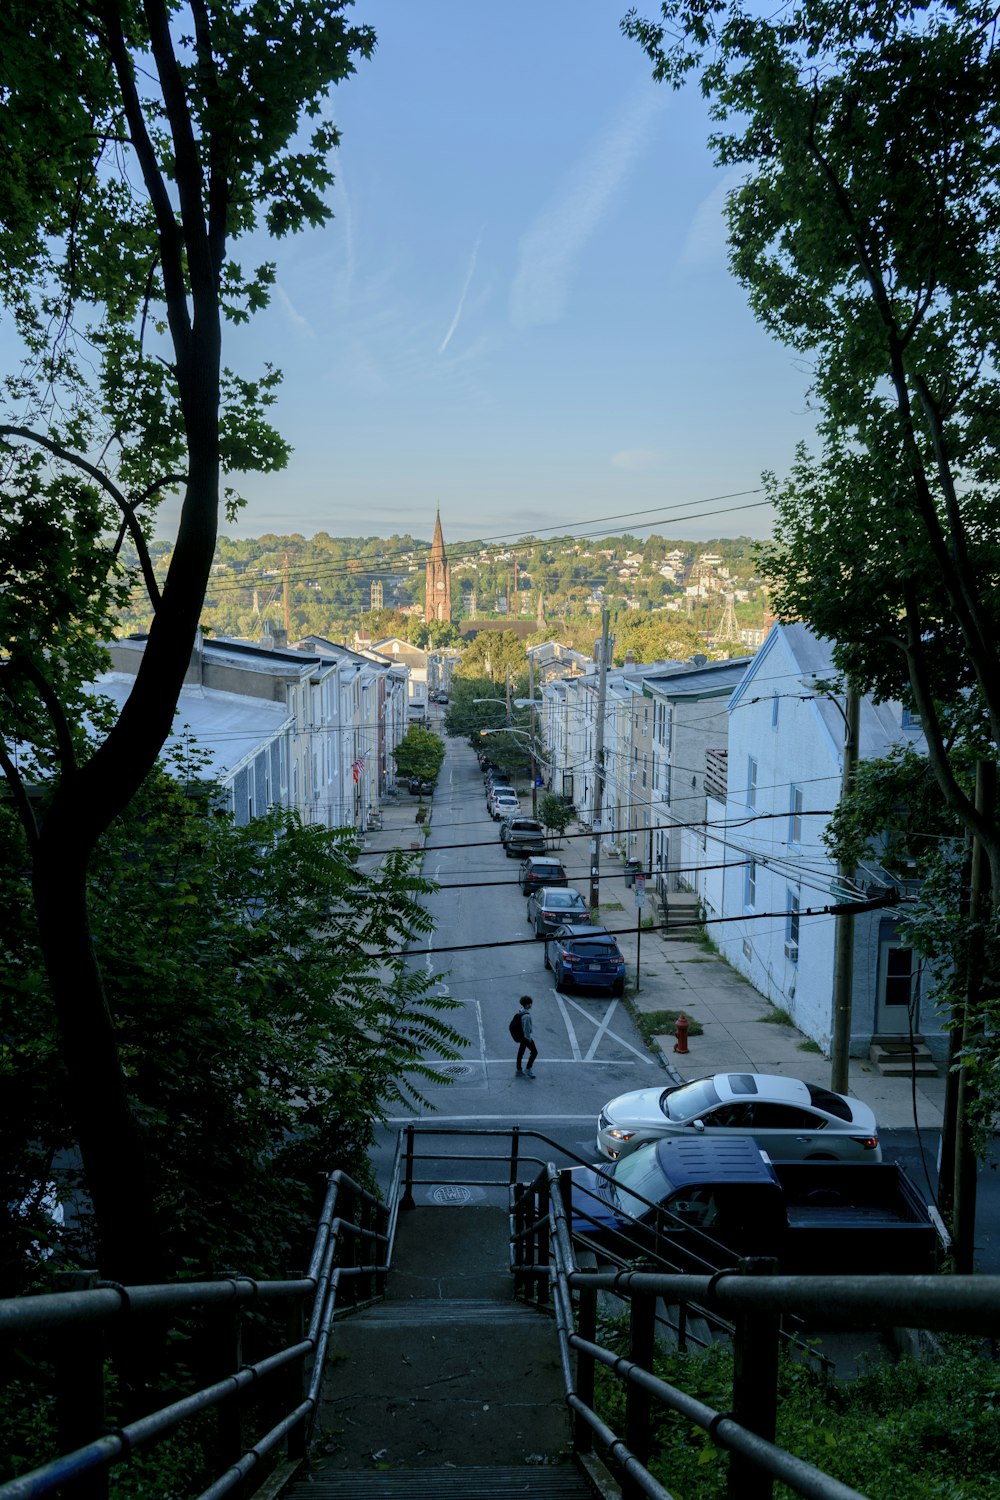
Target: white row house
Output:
[
  {"x": 767, "y": 869},
  {"x": 720, "y": 778},
  {"x": 317, "y": 723}
]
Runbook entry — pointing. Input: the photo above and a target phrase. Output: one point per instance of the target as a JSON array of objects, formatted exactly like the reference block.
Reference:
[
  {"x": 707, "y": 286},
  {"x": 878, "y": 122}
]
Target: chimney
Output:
[
  {"x": 630, "y": 657},
  {"x": 279, "y": 638}
]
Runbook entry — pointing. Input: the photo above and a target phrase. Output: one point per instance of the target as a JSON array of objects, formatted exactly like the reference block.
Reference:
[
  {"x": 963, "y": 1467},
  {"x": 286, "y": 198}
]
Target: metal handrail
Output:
[
  {"x": 967, "y": 1304},
  {"x": 91, "y": 1311}
]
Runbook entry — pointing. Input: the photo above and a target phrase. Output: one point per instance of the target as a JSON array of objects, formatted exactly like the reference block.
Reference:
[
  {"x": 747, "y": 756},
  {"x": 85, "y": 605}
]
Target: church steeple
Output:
[{"x": 437, "y": 599}]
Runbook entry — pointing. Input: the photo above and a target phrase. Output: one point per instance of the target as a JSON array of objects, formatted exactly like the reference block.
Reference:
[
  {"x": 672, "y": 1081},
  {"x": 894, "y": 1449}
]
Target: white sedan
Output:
[{"x": 789, "y": 1119}]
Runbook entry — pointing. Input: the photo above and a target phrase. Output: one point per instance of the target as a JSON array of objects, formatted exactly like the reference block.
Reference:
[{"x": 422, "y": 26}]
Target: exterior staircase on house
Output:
[
  {"x": 449, "y": 1387},
  {"x": 902, "y": 1057}
]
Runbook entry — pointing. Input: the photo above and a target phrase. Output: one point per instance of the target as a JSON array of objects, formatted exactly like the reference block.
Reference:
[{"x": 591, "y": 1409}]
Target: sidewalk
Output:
[{"x": 681, "y": 975}]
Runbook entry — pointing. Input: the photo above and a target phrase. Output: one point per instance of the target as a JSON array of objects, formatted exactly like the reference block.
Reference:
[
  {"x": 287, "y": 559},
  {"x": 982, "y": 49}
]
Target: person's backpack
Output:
[{"x": 515, "y": 1028}]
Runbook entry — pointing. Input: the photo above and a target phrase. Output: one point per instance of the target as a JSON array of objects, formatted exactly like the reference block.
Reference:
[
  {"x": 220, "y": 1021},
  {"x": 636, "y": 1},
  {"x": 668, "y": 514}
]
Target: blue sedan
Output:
[{"x": 587, "y": 957}]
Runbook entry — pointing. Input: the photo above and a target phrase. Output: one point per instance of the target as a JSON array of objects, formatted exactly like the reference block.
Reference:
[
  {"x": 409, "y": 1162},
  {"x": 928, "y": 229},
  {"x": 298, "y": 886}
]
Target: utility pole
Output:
[
  {"x": 843, "y": 953},
  {"x": 534, "y": 766},
  {"x": 963, "y": 1219},
  {"x": 602, "y": 690},
  {"x": 286, "y": 616}
]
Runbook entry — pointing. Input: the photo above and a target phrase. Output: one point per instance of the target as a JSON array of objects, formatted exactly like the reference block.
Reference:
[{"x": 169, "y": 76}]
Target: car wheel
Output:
[
  {"x": 547, "y": 964},
  {"x": 618, "y": 989},
  {"x": 560, "y": 981},
  {"x": 527, "y": 918}
]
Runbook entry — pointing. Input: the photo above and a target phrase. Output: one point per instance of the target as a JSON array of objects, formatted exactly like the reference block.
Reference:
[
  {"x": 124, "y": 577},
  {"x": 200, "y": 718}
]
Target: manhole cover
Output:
[
  {"x": 456, "y": 1070},
  {"x": 447, "y": 1194}
]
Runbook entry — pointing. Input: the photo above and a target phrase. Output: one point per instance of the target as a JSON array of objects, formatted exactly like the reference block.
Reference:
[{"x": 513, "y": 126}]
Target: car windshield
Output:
[
  {"x": 593, "y": 947},
  {"x": 639, "y": 1173},
  {"x": 546, "y": 872},
  {"x": 691, "y": 1101},
  {"x": 556, "y": 900}
]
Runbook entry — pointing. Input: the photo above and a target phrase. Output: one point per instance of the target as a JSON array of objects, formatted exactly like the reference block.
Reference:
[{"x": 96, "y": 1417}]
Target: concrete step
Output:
[
  {"x": 528, "y": 1482},
  {"x": 896, "y": 1058}
]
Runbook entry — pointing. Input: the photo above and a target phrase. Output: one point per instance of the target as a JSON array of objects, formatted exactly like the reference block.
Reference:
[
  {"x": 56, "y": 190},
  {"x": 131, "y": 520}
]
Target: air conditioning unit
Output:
[{"x": 792, "y": 952}]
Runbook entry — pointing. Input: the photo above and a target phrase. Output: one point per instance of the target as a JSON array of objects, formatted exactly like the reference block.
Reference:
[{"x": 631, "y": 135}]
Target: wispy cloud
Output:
[
  {"x": 295, "y": 318},
  {"x": 549, "y": 249},
  {"x": 635, "y": 458},
  {"x": 464, "y": 293},
  {"x": 706, "y": 243}
]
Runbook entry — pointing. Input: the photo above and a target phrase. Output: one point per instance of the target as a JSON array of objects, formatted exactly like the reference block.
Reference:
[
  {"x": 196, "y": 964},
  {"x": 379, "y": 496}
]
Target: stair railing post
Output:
[
  {"x": 79, "y": 1385},
  {"x": 407, "y": 1199},
  {"x": 755, "y": 1386},
  {"x": 583, "y": 1433},
  {"x": 642, "y": 1340},
  {"x": 296, "y": 1384},
  {"x": 542, "y": 1237}
]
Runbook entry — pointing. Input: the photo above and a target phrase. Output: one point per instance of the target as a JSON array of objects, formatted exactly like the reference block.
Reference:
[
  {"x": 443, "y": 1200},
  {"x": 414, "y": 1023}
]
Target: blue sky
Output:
[{"x": 522, "y": 311}]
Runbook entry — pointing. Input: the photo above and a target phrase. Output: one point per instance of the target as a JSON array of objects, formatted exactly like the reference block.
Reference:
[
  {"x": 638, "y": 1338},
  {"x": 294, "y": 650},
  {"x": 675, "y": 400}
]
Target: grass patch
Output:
[
  {"x": 661, "y": 1022},
  {"x": 811, "y": 1047},
  {"x": 937, "y": 1423},
  {"x": 611, "y": 906},
  {"x": 777, "y": 1017}
]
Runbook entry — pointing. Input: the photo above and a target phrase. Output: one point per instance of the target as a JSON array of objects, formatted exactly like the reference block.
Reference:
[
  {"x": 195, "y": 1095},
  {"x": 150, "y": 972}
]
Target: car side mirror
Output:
[{"x": 698, "y": 1125}]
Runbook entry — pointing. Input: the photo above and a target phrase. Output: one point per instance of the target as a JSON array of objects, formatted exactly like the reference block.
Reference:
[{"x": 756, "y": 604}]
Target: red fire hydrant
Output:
[{"x": 681, "y": 1033}]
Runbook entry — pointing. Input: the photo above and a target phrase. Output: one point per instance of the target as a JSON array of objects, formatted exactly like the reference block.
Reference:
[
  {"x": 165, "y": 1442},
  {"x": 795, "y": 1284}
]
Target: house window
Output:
[
  {"x": 750, "y": 884},
  {"x": 774, "y": 711},
  {"x": 751, "y": 781},
  {"x": 795, "y": 816},
  {"x": 792, "y": 926},
  {"x": 645, "y": 759},
  {"x": 898, "y": 976}
]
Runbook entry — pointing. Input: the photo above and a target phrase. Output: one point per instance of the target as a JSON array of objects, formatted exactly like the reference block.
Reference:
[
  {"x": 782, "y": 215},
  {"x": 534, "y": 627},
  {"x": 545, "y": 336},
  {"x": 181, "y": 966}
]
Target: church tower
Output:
[{"x": 437, "y": 600}]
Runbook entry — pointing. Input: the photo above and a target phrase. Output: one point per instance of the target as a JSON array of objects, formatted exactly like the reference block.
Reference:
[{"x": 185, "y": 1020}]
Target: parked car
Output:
[
  {"x": 538, "y": 870},
  {"x": 789, "y": 1119},
  {"x": 585, "y": 956},
  {"x": 521, "y": 836},
  {"x": 420, "y": 786},
  {"x": 553, "y": 906},
  {"x": 503, "y": 804}
]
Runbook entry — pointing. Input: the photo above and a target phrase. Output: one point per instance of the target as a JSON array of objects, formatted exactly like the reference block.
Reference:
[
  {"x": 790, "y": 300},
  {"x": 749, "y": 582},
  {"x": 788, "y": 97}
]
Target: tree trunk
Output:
[{"x": 109, "y": 1135}]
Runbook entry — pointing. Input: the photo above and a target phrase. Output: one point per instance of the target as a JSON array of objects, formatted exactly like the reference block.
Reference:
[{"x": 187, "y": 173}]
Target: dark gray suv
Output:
[{"x": 540, "y": 870}]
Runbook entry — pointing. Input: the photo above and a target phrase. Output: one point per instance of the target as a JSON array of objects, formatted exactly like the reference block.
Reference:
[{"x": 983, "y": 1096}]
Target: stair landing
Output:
[{"x": 449, "y": 1387}]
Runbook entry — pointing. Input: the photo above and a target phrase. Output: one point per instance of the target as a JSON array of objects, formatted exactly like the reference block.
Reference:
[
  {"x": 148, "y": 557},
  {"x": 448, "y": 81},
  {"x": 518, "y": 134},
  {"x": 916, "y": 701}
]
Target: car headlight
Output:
[{"x": 621, "y": 1135}]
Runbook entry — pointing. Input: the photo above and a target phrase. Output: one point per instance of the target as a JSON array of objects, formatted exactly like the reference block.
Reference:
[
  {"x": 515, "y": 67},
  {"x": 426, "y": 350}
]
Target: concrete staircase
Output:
[
  {"x": 897, "y": 1057},
  {"x": 449, "y": 1387}
]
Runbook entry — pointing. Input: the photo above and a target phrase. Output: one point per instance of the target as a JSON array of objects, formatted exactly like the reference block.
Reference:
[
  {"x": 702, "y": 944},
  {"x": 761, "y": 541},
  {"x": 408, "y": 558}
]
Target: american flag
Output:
[{"x": 357, "y": 767}]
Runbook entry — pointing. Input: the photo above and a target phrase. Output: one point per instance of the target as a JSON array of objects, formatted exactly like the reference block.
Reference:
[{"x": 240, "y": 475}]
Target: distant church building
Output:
[{"x": 437, "y": 600}]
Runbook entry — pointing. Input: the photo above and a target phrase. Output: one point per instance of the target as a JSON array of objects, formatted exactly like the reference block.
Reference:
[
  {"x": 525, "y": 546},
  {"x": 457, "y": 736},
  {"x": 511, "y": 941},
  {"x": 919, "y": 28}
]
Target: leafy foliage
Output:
[
  {"x": 937, "y": 1423},
  {"x": 266, "y": 1019},
  {"x": 419, "y": 753},
  {"x": 554, "y": 814},
  {"x": 865, "y": 229}
]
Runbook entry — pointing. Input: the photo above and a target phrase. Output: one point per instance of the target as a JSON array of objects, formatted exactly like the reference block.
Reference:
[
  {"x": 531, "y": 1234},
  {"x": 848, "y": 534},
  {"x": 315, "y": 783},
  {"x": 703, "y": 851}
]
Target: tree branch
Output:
[
  {"x": 126, "y": 508},
  {"x": 22, "y": 801}
]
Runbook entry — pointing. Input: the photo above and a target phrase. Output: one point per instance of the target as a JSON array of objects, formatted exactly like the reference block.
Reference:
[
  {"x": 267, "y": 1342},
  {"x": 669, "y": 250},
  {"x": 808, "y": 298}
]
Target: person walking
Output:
[{"x": 527, "y": 1045}]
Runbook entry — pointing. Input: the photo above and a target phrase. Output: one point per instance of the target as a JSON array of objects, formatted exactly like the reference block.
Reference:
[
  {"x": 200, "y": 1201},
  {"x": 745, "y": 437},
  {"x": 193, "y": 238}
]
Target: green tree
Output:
[
  {"x": 419, "y": 753},
  {"x": 260, "y": 1037},
  {"x": 554, "y": 814},
  {"x": 865, "y": 231},
  {"x": 137, "y": 144},
  {"x": 494, "y": 654}
]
